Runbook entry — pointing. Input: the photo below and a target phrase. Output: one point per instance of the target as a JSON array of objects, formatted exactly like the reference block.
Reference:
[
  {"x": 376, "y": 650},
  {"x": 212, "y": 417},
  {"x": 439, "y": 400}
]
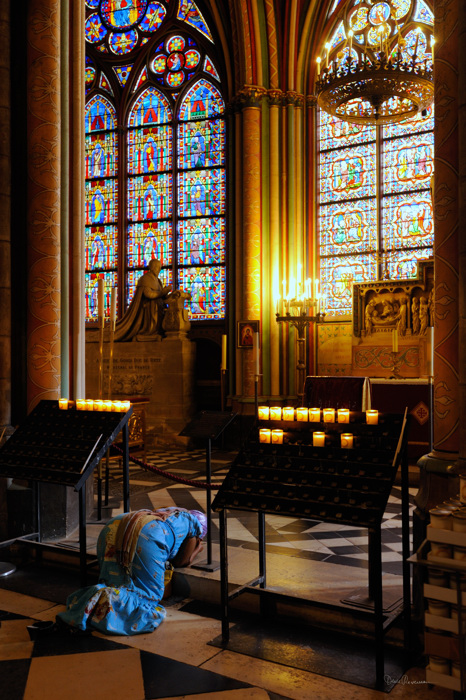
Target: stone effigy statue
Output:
[{"x": 144, "y": 317}]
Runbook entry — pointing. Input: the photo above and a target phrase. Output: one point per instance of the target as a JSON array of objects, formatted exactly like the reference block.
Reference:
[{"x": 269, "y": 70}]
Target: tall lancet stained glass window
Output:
[
  {"x": 375, "y": 218},
  {"x": 151, "y": 73}
]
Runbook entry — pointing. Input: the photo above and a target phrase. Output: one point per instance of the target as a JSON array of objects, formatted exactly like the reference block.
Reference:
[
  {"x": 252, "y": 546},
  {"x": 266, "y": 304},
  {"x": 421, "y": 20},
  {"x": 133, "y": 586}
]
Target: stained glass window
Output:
[
  {"x": 156, "y": 100},
  {"x": 375, "y": 218}
]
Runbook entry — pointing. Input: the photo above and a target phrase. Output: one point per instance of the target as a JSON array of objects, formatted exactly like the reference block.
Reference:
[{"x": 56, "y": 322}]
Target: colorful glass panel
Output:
[
  {"x": 122, "y": 73},
  {"x": 101, "y": 247},
  {"x": 149, "y": 240},
  {"x": 423, "y": 13},
  {"x": 347, "y": 173},
  {"x": 348, "y": 227},
  {"x": 104, "y": 84},
  {"x": 150, "y": 150},
  {"x": 201, "y": 193},
  {"x": 337, "y": 276},
  {"x": 100, "y": 155},
  {"x": 208, "y": 291},
  {"x": 189, "y": 12},
  {"x": 143, "y": 77},
  {"x": 165, "y": 276},
  {"x": 100, "y": 115},
  {"x": 210, "y": 68},
  {"x": 202, "y": 100},
  {"x": 151, "y": 107},
  {"x": 201, "y": 241},
  {"x": 403, "y": 264},
  {"x": 124, "y": 42},
  {"x": 101, "y": 202},
  {"x": 416, "y": 125},
  {"x": 150, "y": 197},
  {"x": 122, "y": 14},
  {"x": 201, "y": 144},
  {"x": 408, "y": 163},
  {"x": 95, "y": 30},
  {"x": 91, "y": 293},
  {"x": 335, "y": 133},
  {"x": 407, "y": 221},
  {"x": 153, "y": 18}
]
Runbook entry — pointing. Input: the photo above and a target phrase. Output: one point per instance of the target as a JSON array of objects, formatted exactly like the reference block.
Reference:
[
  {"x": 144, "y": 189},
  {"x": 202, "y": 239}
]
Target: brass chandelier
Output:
[{"x": 378, "y": 67}]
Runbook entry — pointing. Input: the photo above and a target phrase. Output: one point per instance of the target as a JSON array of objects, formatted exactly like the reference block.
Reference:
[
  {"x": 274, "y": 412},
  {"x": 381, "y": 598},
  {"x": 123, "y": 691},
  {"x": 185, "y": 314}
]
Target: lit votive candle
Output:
[
  {"x": 89, "y": 405},
  {"x": 116, "y": 405},
  {"x": 372, "y": 416},
  {"x": 343, "y": 415},
  {"x": 80, "y": 404},
  {"x": 125, "y": 406},
  {"x": 277, "y": 437},
  {"x": 347, "y": 440},
  {"x": 288, "y": 413},
  {"x": 264, "y": 435},
  {"x": 314, "y": 415},
  {"x": 63, "y": 404},
  {"x": 98, "y": 405},
  {"x": 263, "y": 412},
  {"x": 318, "y": 439},
  {"x": 329, "y": 415},
  {"x": 302, "y": 414},
  {"x": 275, "y": 413},
  {"x": 107, "y": 405}
]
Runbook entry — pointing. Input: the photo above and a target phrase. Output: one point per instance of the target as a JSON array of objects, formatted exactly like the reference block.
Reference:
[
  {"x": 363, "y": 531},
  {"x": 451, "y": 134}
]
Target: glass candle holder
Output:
[
  {"x": 343, "y": 415},
  {"x": 125, "y": 406},
  {"x": 98, "y": 405},
  {"x": 116, "y": 406},
  {"x": 89, "y": 405},
  {"x": 263, "y": 412},
  {"x": 63, "y": 404},
  {"x": 275, "y": 413},
  {"x": 372, "y": 416},
  {"x": 288, "y": 413},
  {"x": 302, "y": 414},
  {"x": 347, "y": 440},
  {"x": 107, "y": 405},
  {"x": 80, "y": 404},
  {"x": 314, "y": 415},
  {"x": 318, "y": 439},
  {"x": 329, "y": 415},
  {"x": 264, "y": 435},
  {"x": 277, "y": 437}
]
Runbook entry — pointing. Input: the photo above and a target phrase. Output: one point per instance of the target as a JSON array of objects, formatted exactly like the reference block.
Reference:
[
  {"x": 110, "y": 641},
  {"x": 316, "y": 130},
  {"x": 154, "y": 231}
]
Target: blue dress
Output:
[{"x": 130, "y": 604}]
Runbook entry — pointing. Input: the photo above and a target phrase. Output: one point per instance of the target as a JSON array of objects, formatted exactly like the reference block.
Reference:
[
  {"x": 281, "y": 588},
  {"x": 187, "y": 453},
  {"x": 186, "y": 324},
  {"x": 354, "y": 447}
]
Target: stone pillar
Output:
[
  {"x": 252, "y": 214},
  {"x": 43, "y": 182},
  {"x": 439, "y": 467},
  {"x": 5, "y": 247}
]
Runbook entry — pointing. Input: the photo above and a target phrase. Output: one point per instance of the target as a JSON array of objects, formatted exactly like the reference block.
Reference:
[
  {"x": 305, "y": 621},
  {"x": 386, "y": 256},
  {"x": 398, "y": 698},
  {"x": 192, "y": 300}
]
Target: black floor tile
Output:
[
  {"x": 165, "y": 677},
  {"x": 65, "y": 642},
  {"x": 13, "y": 678}
]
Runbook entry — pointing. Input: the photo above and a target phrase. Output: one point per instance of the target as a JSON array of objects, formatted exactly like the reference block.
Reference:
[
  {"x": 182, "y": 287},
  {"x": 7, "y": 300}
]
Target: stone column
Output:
[
  {"x": 252, "y": 214},
  {"x": 438, "y": 467},
  {"x": 5, "y": 247},
  {"x": 43, "y": 182}
]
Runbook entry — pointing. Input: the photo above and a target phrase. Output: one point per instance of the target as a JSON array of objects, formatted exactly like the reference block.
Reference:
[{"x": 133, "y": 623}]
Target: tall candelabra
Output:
[{"x": 299, "y": 313}]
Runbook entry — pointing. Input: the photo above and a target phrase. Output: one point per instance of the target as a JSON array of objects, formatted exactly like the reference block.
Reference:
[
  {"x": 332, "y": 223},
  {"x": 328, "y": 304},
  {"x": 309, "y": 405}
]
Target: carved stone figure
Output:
[
  {"x": 415, "y": 315},
  {"x": 143, "y": 319},
  {"x": 423, "y": 315},
  {"x": 402, "y": 315},
  {"x": 369, "y": 314},
  {"x": 176, "y": 317}
]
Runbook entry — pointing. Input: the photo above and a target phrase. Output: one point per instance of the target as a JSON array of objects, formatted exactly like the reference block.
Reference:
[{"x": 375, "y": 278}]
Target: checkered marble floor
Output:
[{"x": 306, "y": 539}]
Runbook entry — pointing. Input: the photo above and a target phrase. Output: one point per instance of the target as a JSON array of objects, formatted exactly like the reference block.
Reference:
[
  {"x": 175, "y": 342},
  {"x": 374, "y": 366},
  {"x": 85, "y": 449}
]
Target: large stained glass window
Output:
[
  {"x": 154, "y": 97},
  {"x": 375, "y": 218}
]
